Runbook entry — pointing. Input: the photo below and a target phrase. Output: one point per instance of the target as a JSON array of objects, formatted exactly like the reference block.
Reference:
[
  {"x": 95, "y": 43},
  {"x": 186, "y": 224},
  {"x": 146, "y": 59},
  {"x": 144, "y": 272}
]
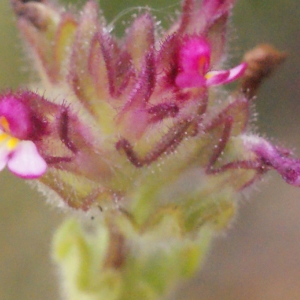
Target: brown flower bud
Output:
[{"x": 262, "y": 62}]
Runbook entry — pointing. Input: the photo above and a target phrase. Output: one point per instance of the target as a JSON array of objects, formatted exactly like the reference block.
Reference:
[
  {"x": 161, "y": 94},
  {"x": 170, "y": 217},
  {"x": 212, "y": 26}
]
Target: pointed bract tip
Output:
[{"x": 275, "y": 158}]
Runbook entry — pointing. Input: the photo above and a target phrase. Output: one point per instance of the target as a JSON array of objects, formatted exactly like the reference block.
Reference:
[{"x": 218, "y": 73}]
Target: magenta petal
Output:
[
  {"x": 26, "y": 162},
  {"x": 17, "y": 114},
  {"x": 236, "y": 72},
  {"x": 217, "y": 77},
  {"x": 223, "y": 77},
  {"x": 190, "y": 80},
  {"x": 195, "y": 55}
]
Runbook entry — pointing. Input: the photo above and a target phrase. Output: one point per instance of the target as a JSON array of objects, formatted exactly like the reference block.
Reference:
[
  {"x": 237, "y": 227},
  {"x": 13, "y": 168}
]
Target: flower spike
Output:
[
  {"x": 128, "y": 129},
  {"x": 136, "y": 103}
]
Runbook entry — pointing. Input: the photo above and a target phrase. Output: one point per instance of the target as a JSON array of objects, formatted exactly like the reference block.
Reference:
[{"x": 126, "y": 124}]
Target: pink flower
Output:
[
  {"x": 17, "y": 151},
  {"x": 194, "y": 63}
]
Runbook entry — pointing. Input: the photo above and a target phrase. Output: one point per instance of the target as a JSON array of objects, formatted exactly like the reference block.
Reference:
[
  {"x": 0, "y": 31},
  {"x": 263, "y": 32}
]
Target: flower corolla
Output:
[
  {"x": 17, "y": 150},
  {"x": 195, "y": 66}
]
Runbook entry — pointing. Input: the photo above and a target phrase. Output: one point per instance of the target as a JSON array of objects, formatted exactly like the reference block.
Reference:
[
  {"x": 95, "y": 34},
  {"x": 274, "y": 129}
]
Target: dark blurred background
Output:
[{"x": 259, "y": 256}]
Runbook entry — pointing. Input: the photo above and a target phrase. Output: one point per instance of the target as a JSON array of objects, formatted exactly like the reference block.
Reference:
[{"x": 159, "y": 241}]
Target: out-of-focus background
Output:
[{"x": 259, "y": 257}]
